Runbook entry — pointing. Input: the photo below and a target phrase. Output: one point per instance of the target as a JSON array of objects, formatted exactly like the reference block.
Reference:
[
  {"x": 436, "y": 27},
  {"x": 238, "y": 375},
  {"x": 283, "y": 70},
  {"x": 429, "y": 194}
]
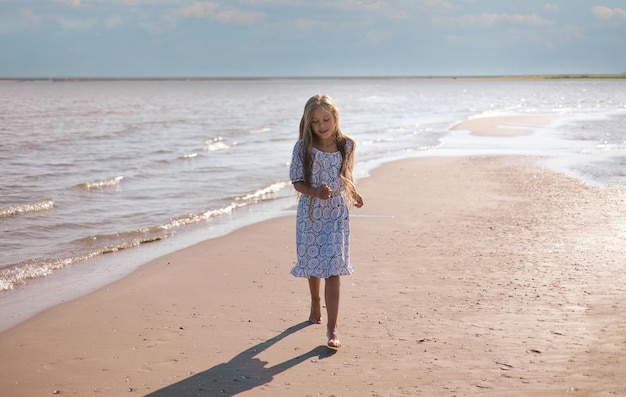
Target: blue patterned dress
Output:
[{"x": 323, "y": 234}]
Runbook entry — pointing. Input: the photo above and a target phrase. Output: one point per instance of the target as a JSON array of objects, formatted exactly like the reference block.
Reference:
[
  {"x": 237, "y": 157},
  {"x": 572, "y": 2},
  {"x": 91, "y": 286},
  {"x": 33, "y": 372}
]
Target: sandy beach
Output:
[
  {"x": 505, "y": 125},
  {"x": 481, "y": 276}
]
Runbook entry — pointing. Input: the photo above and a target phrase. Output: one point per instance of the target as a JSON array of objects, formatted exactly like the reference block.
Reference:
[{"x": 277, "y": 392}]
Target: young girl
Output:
[{"x": 321, "y": 171}]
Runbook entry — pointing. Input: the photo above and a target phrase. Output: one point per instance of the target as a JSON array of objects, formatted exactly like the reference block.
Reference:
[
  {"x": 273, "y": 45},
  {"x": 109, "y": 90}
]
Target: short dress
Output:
[{"x": 323, "y": 232}]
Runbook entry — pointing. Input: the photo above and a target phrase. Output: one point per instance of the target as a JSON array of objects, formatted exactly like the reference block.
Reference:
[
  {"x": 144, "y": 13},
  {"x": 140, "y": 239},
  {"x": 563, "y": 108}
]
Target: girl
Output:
[{"x": 321, "y": 171}]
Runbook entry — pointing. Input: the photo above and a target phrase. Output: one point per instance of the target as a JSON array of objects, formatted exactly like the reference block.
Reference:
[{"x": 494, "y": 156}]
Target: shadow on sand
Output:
[{"x": 243, "y": 372}]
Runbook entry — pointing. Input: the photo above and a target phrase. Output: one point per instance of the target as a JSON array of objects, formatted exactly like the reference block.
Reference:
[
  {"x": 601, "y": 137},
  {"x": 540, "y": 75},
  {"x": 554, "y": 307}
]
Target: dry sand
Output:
[{"x": 484, "y": 276}]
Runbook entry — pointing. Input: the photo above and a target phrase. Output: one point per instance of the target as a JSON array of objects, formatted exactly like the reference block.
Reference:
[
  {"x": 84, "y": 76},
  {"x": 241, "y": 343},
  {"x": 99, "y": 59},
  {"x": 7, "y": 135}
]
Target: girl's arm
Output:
[{"x": 323, "y": 192}]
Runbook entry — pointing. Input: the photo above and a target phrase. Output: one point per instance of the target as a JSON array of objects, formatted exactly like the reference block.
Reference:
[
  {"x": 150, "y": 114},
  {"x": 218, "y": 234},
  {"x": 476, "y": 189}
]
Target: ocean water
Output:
[{"x": 91, "y": 169}]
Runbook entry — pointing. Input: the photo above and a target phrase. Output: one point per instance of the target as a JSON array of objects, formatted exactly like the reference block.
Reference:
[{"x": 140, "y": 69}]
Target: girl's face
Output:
[{"x": 323, "y": 124}]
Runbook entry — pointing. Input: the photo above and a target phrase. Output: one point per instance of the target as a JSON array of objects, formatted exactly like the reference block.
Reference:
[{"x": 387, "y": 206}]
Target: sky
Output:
[{"x": 298, "y": 38}]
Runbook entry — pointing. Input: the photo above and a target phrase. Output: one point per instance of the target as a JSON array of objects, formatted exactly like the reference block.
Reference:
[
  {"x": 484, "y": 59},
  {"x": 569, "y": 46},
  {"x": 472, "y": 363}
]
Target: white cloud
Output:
[
  {"x": 62, "y": 21},
  {"x": 602, "y": 12},
  {"x": 238, "y": 16},
  {"x": 145, "y": 2},
  {"x": 437, "y": 4},
  {"x": 494, "y": 19},
  {"x": 273, "y": 2},
  {"x": 368, "y": 5},
  {"x": 608, "y": 13},
  {"x": 212, "y": 10},
  {"x": 198, "y": 10},
  {"x": 75, "y": 3}
]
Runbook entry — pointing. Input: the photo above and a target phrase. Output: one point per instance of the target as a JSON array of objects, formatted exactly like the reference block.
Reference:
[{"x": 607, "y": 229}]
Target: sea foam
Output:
[{"x": 44, "y": 205}]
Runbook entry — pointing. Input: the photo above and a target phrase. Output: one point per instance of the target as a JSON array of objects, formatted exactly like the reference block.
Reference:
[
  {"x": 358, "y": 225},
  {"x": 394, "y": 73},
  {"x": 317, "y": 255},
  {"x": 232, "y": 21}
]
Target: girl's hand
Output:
[
  {"x": 358, "y": 201},
  {"x": 324, "y": 191}
]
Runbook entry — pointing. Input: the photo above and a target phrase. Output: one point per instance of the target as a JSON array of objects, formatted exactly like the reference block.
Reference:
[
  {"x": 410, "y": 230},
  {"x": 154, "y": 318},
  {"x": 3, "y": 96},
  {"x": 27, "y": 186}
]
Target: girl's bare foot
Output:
[
  {"x": 316, "y": 312},
  {"x": 333, "y": 340}
]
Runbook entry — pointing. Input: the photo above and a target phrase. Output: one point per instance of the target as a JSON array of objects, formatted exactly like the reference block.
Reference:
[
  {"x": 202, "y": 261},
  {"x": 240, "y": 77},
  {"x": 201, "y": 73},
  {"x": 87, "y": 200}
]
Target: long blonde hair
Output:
[{"x": 306, "y": 134}]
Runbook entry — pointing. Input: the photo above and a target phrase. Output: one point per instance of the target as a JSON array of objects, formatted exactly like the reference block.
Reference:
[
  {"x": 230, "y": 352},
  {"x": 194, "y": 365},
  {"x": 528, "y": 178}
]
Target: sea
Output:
[{"x": 100, "y": 176}]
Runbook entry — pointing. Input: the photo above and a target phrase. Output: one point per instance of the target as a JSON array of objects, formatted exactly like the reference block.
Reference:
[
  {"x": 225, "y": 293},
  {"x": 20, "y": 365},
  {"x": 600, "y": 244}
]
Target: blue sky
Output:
[{"x": 181, "y": 38}]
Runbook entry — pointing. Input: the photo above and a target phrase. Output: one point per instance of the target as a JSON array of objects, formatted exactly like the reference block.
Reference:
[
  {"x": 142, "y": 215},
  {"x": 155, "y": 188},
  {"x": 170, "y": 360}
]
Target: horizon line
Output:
[{"x": 387, "y": 77}]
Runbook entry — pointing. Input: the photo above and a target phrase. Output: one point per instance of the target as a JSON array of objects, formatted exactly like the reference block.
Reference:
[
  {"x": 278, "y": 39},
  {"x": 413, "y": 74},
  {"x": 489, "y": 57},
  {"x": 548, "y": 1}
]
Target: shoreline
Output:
[
  {"x": 474, "y": 276},
  {"x": 25, "y": 301}
]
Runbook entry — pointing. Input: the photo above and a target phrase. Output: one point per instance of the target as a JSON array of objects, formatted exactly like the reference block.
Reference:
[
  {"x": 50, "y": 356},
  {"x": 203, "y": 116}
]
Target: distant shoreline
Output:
[{"x": 253, "y": 78}]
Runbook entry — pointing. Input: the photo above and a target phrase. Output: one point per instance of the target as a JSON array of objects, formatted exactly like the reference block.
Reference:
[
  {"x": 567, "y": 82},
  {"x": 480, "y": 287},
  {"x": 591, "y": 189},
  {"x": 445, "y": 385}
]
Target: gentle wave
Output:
[
  {"x": 267, "y": 193},
  {"x": 216, "y": 144},
  {"x": 199, "y": 217},
  {"x": 20, "y": 273},
  {"x": 44, "y": 205},
  {"x": 105, "y": 183},
  {"x": 107, "y": 243},
  {"x": 120, "y": 240},
  {"x": 260, "y": 130}
]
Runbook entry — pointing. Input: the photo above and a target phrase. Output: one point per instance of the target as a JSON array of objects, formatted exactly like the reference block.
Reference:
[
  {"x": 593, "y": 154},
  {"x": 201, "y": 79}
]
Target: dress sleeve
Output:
[
  {"x": 296, "y": 170},
  {"x": 349, "y": 150},
  {"x": 349, "y": 146}
]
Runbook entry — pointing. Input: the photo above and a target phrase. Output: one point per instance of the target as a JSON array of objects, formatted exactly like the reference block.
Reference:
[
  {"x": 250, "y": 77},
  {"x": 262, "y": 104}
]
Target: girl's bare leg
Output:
[
  {"x": 331, "y": 295},
  {"x": 316, "y": 307}
]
